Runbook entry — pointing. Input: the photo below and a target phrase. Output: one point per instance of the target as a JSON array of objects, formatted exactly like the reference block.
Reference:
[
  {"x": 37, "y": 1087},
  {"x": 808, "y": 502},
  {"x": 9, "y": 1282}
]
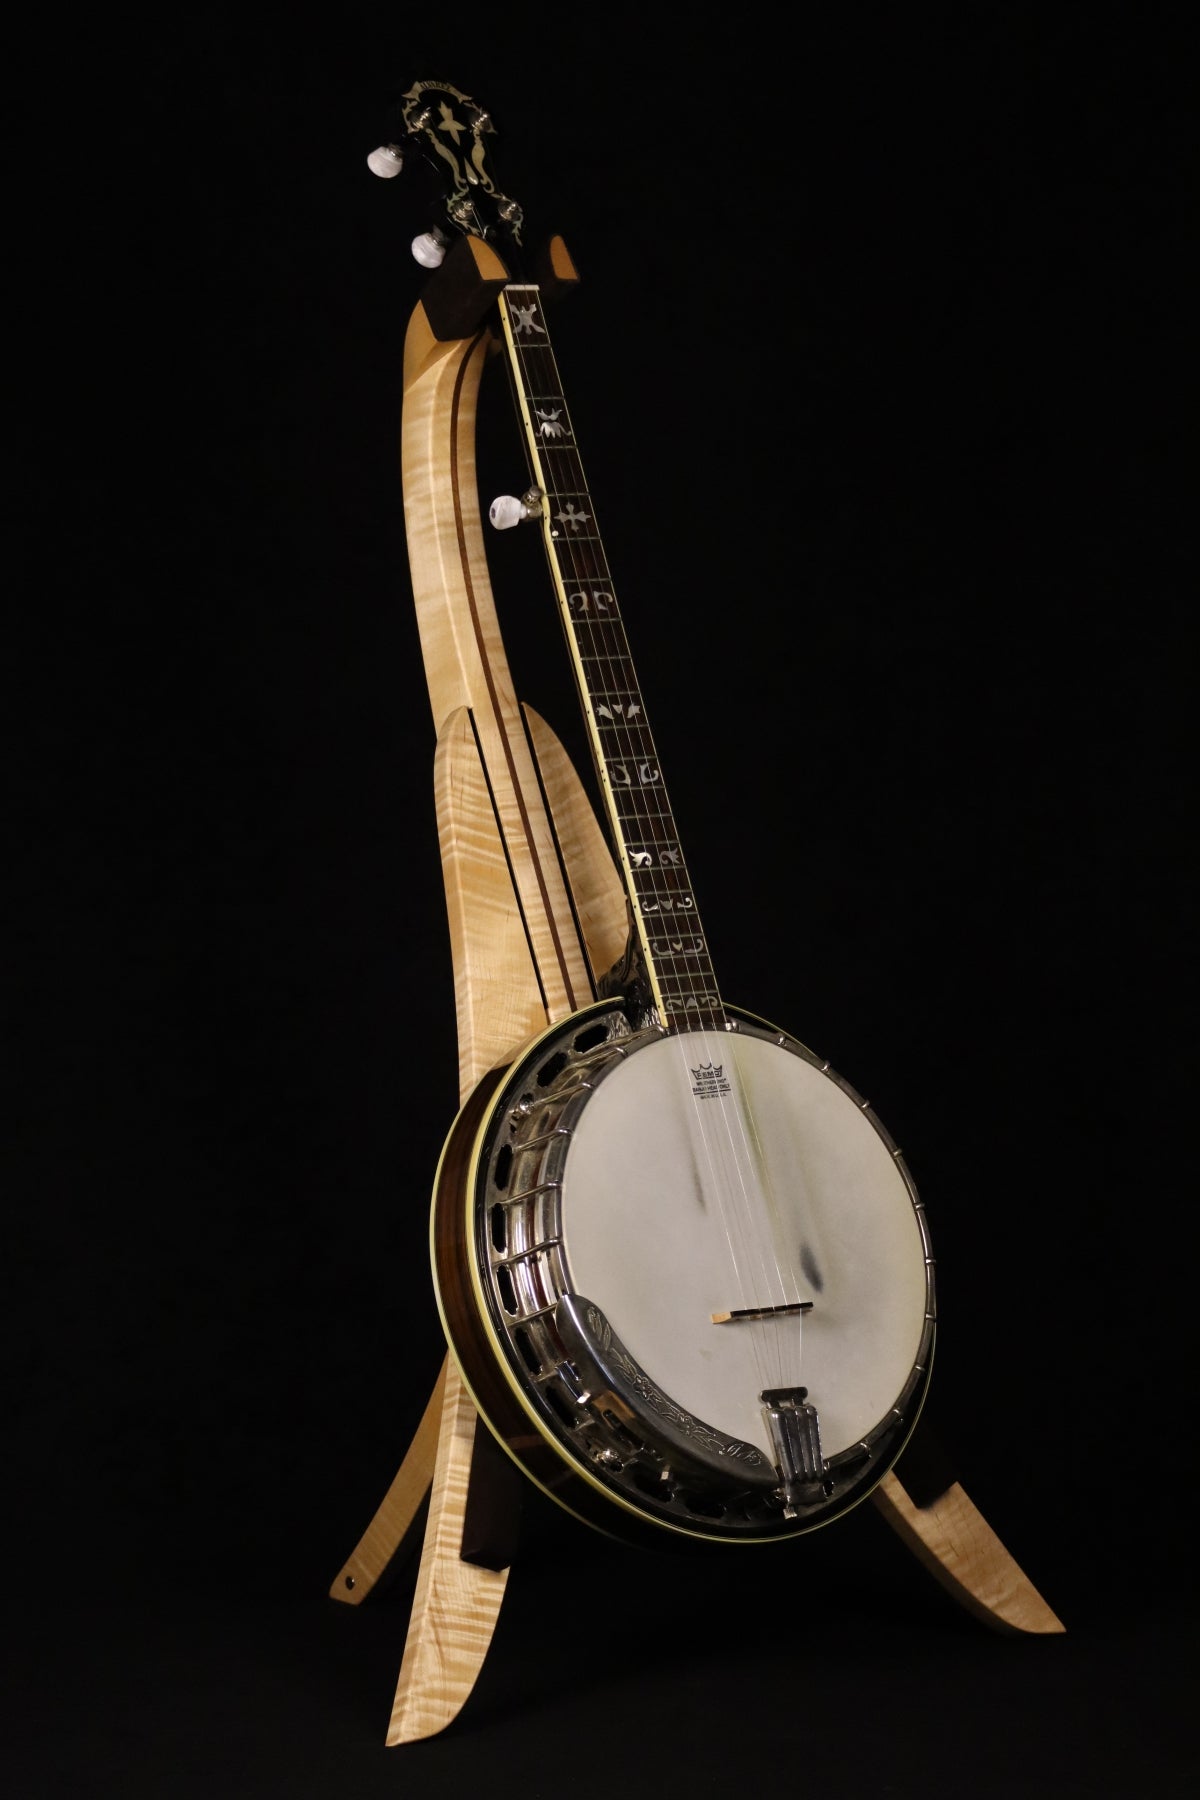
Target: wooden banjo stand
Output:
[{"x": 537, "y": 912}]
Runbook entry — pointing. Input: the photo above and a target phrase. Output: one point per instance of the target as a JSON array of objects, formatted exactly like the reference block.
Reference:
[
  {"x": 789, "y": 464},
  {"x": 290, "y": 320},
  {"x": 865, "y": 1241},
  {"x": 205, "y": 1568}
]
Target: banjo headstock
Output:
[{"x": 449, "y": 130}]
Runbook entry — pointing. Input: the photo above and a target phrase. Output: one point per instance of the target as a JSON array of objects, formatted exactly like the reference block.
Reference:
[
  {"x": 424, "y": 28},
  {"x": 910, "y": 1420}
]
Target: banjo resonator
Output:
[{"x": 582, "y": 1265}]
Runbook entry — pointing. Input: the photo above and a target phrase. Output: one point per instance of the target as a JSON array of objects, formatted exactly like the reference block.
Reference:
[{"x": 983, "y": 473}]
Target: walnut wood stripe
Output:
[{"x": 575, "y": 1000}]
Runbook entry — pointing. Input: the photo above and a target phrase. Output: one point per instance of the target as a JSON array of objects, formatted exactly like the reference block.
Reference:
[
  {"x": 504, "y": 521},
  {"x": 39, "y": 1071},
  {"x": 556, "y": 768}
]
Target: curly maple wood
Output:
[
  {"x": 521, "y": 959},
  {"x": 465, "y": 663},
  {"x": 496, "y": 985},
  {"x": 457, "y": 1603},
  {"x": 371, "y": 1556},
  {"x": 956, "y": 1544},
  {"x": 601, "y": 906}
]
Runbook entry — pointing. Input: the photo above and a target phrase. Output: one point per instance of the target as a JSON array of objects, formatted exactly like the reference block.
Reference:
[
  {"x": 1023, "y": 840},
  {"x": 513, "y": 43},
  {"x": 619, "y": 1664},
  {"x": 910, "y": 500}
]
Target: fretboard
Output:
[{"x": 666, "y": 917}]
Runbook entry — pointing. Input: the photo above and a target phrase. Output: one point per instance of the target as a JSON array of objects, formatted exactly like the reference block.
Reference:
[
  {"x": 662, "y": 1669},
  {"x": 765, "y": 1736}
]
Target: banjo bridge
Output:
[
  {"x": 761, "y": 1312},
  {"x": 796, "y": 1436}
]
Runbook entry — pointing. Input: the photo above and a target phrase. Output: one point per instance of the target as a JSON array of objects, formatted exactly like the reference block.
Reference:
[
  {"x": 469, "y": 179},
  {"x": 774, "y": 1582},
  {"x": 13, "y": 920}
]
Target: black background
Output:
[{"x": 878, "y": 370}]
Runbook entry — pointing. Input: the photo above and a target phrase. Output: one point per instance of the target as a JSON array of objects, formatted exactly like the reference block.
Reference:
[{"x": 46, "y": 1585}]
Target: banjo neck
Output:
[{"x": 665, "y": 918}]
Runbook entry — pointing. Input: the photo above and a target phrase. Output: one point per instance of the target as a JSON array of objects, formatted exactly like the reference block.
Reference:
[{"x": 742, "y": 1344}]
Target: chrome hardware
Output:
[
  {"x": 643, "y": 1418},
  {"x": 595, "y": 1403},
  {"x": 796, "y": 1434}
]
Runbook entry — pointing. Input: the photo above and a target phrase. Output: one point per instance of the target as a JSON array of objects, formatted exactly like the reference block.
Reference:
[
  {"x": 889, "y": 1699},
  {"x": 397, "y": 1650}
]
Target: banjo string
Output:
[{"x": 598, "y": 622}]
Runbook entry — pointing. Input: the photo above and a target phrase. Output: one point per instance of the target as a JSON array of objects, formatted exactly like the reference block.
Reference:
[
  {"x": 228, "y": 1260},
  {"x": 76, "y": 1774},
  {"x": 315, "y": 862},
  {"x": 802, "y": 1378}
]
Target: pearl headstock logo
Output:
[{"x": 709, "y": 1082}]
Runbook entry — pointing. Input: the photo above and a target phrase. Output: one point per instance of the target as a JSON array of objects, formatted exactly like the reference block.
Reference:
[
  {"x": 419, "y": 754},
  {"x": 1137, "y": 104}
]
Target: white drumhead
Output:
[{"x": 718, "y": 1172}]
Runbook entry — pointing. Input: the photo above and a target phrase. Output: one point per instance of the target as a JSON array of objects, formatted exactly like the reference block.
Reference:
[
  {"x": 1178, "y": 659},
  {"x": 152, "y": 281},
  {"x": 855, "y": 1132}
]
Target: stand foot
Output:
[
  {"x": 956, "y": 1544},
  {"x": 379, "y": 1543},
  {"x": 457, "y": 1603}
]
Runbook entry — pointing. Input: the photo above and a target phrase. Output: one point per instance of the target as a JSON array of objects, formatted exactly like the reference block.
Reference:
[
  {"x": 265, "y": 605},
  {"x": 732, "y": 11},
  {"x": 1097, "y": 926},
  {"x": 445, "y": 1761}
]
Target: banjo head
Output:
[{"x": 695, "y": 1264}]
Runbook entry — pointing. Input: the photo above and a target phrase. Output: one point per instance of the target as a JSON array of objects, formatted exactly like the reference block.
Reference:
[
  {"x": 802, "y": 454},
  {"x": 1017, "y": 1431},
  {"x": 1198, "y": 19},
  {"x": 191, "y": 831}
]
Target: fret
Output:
[
  {"x": 613, "y": 683},
  {"x": 633, "y": 745},
  {"x": 598, "y": 626},
  {"x": 667, "y": 878},
  {"x": 584, "y": 567},
  {"x": 642, "y": 824},
  {"x": 638, "y": 813},
  {"x": 658, "y": 843},
  {"x": 627, "y": 740},
  {"x": 706, "y": 1012},
  {"x": 630, "y": 745},
  {"x": 617, "y": 706},
  {"x": 600, "y": 637},
  {"x": 635, "y": 798},
  {"x": 630, "y": 795},
  {"x": 665, "y": 915},
  {"x": 655, "y": 872},
  {"x": 627, "y": 716},
  {"x": 629, "y": 767},
  {"x": 623, "y": 709}
]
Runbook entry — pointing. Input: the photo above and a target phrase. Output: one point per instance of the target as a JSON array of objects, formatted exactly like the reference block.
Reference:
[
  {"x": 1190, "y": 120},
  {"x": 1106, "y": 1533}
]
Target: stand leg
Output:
[
  {"x": 457, "y": 1603},
  {"x": 953, "y": 1540},
  {"x": 379, "y": 1543}
]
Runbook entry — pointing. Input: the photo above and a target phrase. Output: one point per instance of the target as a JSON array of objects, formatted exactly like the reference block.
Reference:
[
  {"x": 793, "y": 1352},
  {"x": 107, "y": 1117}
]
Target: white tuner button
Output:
[
  {"x": 506, "y": 512},
  {"x": 429, "y": 250},
  {"x": 387, "y": 161}
]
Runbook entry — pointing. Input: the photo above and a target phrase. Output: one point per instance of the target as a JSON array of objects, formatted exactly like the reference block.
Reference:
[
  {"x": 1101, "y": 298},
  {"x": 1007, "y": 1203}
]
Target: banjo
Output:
[{"x": 682, "y": 1266}]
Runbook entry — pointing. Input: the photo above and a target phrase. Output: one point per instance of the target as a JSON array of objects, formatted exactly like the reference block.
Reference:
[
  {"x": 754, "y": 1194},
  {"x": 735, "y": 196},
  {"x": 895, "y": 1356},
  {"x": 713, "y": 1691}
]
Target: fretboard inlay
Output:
[{"x": 670, "y": 935}]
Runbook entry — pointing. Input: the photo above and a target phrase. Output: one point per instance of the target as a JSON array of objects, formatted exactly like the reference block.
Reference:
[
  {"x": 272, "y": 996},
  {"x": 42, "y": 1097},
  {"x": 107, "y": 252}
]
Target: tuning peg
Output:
[
  {"x": 387, "y": 161},
  {"x": 430, "y": 249},
  {"x": 506, "y": 510}
]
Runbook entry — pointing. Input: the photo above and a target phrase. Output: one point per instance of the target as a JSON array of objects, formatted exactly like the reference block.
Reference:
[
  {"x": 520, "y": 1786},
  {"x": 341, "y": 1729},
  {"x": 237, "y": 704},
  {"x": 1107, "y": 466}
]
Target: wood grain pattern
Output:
[
  {"x": 496, "y": 989},
  {"x": 595, "y": 882},
  {"x": 518, "y": 959},
  {"x": 959, "y": 1548},
  {"x": 464, "y": 656},
  {"x": 397, "y": 1510},
  {"x": 457, "y": 1604}
]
